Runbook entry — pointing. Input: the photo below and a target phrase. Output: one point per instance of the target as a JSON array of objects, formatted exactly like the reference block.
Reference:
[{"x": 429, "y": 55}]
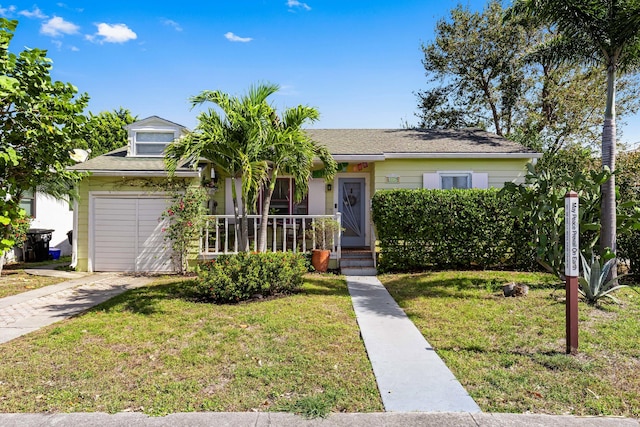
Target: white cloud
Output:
[
  {"x": 295, "y": 3},
  {"x": 233, "y": 38},
  {"x": 74, "y": 49},
  {"x": 57, "y": 26},
  {"x": 113, "y": 33},
  {"x": 288, "y": 90},
  {"x": 7, "y": 11},
  {"x": 65, "y": 6},
  {"x": 172, "y": 23},
  {"x": 35, "y": 13}
]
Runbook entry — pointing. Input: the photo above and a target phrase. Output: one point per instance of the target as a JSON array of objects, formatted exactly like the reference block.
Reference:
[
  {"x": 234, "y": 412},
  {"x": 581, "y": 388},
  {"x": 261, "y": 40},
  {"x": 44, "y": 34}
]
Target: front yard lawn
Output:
[
  {"x": 509, "y": 353},
  {"x": 14, "y": 280},
  {"x": 158, "y": 351}
]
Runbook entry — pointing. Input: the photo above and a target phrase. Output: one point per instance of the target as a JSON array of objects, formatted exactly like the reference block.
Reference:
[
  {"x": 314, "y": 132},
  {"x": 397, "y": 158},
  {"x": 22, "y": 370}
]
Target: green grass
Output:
[
  {"x": 509, "y": 353},
  {"x": 14, "y": 280},
  {"x": 157, "y": 350}
]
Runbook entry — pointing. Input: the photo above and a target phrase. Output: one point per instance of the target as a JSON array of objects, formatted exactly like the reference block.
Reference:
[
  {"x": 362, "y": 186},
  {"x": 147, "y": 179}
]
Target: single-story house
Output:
[{"x": 118, "y": 223}]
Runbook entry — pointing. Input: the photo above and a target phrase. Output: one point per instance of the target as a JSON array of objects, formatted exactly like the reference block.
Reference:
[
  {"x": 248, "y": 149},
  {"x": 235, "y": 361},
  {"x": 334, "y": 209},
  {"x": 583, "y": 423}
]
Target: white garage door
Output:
[{"x": 128, "y": 235}]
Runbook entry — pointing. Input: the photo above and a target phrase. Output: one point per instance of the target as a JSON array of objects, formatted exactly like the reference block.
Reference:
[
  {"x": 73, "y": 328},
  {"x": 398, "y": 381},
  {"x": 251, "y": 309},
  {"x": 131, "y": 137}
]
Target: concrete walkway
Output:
[
  {"x": 30, "y": 311},
  {"x": 410, "y": 375}
]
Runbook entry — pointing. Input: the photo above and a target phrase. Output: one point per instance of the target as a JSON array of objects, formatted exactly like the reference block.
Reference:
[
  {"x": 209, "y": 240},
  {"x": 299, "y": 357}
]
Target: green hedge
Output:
[
  {"x": 629, "y": 251},
  {"x": 422, "y": 229},
  {"x": 233, "y": 278}
]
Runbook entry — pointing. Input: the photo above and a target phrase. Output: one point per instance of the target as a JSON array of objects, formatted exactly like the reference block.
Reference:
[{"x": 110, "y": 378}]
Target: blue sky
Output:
[{"x": 358, "y": 62}]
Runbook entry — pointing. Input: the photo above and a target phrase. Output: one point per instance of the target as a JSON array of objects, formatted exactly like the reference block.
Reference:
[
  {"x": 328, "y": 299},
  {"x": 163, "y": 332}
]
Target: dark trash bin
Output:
[{"x": 37, "y": 245}]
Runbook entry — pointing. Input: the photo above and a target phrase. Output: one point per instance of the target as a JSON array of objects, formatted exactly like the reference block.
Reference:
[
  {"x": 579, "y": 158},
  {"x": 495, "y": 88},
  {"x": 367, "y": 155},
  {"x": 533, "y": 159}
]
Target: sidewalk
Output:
[{"x": 260, "y": 419}]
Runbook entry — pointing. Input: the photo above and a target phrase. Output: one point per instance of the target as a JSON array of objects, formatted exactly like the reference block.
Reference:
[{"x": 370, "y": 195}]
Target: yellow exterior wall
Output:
[
  {"x": 115, "y": 184},
  {"x": 409, "y": 171}
]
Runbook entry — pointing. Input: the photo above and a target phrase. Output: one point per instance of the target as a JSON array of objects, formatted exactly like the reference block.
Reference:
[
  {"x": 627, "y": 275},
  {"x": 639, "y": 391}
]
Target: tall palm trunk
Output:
[
  {"x": 608, "y": 207},
  {"x": 244, "y": 232},
  {"x": 246, "y": 207},
  {"x": 266, "y": 203},
  {"x": 238, "y": 226}
]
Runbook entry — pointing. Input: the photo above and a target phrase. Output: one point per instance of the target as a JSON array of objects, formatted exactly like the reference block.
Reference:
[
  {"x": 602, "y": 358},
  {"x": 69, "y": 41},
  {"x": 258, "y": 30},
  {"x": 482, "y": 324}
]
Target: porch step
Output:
[
  {"x": 356, "y": 262},
  {"x": 358, "y": 271},
  {"x": 356, "y": 254}
]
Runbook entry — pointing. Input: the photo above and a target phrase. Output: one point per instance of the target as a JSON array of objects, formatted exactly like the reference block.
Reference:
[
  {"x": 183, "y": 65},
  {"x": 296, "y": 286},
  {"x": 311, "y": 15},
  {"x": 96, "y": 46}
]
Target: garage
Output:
[{"x": 127, "y": 234}]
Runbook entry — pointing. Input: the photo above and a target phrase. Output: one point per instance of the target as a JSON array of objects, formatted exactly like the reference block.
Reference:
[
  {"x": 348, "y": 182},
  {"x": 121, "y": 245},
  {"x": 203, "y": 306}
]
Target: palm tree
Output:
[
  {"x": 593, "y": 32},
  {"x": 232, "y": 141},
  {"x": 290, "y": 151}
]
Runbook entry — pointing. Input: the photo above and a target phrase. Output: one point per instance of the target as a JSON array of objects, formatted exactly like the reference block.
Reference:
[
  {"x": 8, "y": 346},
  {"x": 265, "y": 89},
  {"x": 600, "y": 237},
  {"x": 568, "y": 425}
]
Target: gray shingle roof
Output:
[
  {"x": 351, "y": 142},
  {"x": 117, "y": 160},
  {"x": 386, "y": 141}
]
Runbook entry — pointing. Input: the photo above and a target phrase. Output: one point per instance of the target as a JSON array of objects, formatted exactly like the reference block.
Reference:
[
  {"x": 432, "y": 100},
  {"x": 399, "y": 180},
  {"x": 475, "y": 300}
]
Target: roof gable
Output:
[
  {"x": 154, "y": 122},
  {"x": 149, "y": 137}
]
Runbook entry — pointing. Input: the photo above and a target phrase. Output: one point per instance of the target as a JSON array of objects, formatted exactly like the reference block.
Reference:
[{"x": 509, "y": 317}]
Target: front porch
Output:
[{"x": 284, "y": 233}]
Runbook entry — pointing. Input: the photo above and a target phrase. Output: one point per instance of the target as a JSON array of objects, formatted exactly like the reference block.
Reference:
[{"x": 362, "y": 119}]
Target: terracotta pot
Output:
[{"x": 320, "y": 259}]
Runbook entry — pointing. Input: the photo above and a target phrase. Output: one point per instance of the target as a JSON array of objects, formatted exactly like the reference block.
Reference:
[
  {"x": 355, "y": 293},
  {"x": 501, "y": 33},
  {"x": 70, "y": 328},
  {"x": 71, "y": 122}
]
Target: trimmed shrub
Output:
[
  {"x": 423, "y": 229},
  {"x": 629, "y": 251},
  {"x": 234, "y": 278}
]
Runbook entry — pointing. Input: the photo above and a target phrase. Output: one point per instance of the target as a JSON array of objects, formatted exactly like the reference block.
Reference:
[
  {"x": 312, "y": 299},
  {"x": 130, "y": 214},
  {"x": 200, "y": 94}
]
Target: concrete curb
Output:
[{"x": 259, "y": 419}]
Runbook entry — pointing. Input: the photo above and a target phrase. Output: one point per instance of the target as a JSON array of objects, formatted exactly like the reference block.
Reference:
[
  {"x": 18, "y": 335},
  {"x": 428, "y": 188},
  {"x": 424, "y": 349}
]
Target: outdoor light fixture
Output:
[{"x": 328, "y": 187}]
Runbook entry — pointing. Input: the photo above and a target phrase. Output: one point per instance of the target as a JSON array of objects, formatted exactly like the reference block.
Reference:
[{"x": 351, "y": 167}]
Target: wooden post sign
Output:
[{"x": 571, "y": 267}]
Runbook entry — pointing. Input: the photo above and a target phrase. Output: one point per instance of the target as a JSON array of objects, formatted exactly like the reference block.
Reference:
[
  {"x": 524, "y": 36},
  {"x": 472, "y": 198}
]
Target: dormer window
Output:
[
  {"x": 149, "y": 137},
  {"x": 152, "y": 143}
]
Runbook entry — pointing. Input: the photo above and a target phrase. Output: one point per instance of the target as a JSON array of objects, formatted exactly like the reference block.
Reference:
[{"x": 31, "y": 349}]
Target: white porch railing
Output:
[{"x": 284, "y": 233}]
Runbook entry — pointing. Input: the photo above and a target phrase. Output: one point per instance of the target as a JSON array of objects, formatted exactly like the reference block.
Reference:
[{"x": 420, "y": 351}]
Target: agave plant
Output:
[{"x": 594, "y": 284}]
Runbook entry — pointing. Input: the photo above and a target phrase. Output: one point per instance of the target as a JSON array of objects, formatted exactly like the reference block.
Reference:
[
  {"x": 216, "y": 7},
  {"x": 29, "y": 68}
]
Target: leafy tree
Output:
[
  {"x": 569, "y": 160},
  {"x": 105, "y": 131},
  {"x": 475, "y": 61},
  {"x": 290, "y": 151},
  {"x": 628, "y": 187},
  {"x": 232, "y": 138},
  {"x": 481, "y": 75},
  {"x": 628, "y": 176},
  {"x": 606, "y": 33},
  {"x": 40, "y": 122}
]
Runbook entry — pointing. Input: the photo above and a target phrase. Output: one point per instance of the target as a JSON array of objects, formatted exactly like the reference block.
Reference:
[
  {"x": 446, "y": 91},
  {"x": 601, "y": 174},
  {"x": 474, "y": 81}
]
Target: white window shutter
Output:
[
  {"x": 480, "y": 180},
  {"x": 430, "y": 181},
  {"x": 228, "y": 195},
  {"x": 316, "y": 196}
]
